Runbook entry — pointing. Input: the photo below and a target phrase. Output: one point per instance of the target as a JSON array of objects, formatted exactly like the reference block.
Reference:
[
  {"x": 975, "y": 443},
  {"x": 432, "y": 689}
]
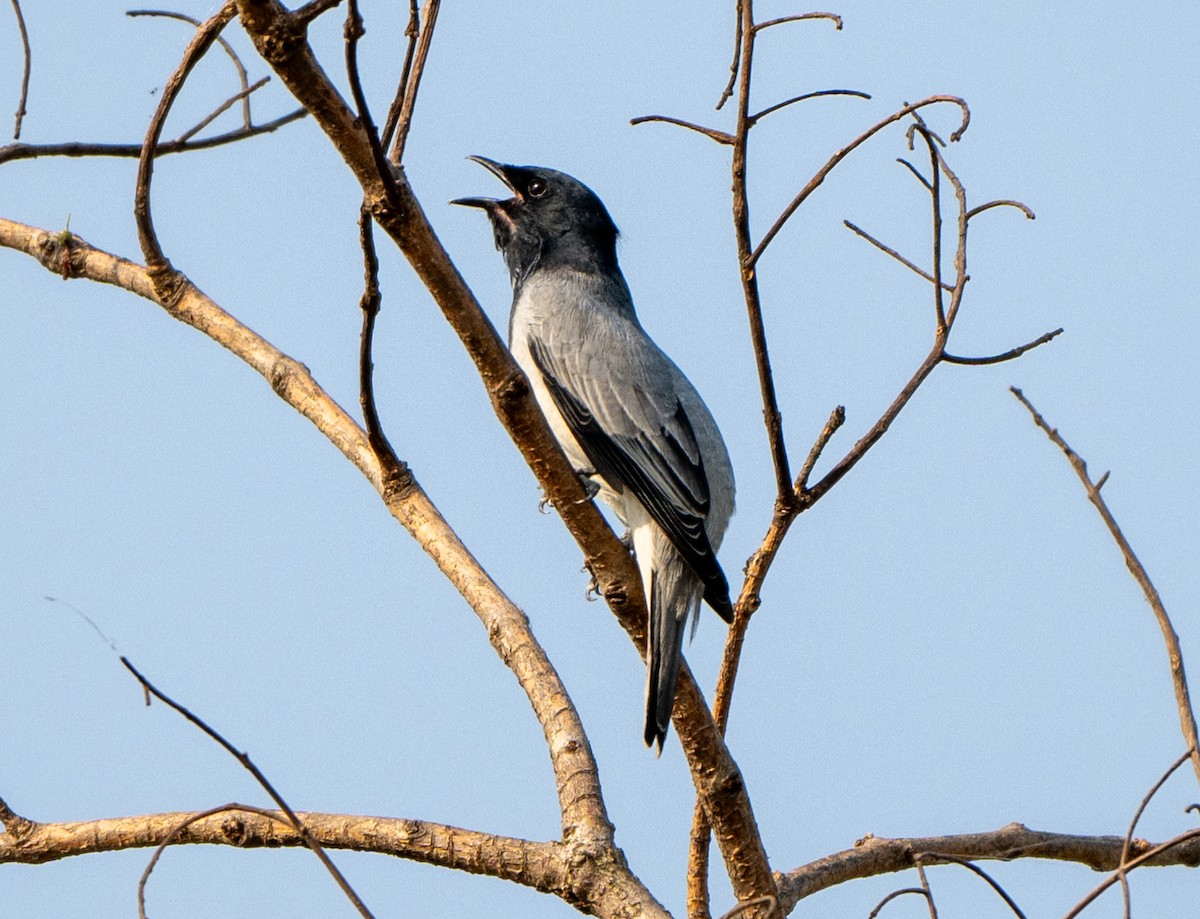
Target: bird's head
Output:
[{"x": 550, "y": 219}]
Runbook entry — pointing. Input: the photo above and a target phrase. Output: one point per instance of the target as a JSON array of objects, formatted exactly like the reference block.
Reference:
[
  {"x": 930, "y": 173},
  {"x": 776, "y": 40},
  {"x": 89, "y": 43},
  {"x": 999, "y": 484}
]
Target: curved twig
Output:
[
  {"x": 1006, "y": 356},
  {"x": 896, "y": 894},
  {"x": 156, "y": 261},
  {"x": 28, "y": 60},
  {"x": 801, "y": 17},
  {"x": 720, "y": 137},
  {"x": 243, "y": 77},
  {"x": 754, "y": 119},
  {"x": 815, "y": 182},
  {"x": 1004, "y": 202},
  {"x": 1137, "y": 816},
  {"x": 957, "y": 860}
]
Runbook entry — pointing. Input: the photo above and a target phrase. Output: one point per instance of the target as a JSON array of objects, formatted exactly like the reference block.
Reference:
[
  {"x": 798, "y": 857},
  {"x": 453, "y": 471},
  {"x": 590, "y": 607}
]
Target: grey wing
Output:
[{"x": 635, "y": 431}]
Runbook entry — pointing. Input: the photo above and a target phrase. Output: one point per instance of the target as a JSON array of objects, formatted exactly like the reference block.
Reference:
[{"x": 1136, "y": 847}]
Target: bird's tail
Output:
[{"x": 674, "y": 595}]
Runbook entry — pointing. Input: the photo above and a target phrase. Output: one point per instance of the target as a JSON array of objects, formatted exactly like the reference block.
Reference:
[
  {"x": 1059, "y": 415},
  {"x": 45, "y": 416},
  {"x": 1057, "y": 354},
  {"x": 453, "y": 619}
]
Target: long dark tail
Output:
[{"x": 674, "y": 595}]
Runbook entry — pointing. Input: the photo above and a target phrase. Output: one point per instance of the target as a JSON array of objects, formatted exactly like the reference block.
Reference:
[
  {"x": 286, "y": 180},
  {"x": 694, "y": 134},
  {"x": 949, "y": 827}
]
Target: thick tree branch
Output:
[
  {"x": 579, "y": 793},
  {"x": 280, "y": 40},
  {"x": 873, "y": 856}
]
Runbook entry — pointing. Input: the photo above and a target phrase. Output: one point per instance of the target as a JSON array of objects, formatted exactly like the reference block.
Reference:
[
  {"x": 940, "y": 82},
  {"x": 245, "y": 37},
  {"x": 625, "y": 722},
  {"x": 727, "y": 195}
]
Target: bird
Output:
[{"x": 632, "y": 425}]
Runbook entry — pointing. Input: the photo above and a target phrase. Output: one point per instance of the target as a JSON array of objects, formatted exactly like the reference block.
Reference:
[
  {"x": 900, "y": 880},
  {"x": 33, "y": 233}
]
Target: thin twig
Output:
[
  {"x": 314, "y": 8},
  {"x": 720, "y": 137},
  {"x": 243, "y": 77},
  {"x": 24, "y": 97},
  {"x": 772, "y": 418},
  {"x": 896, "y": 894},
  {"x": 156, "y": 261},
  {"x": 411, "y": 31},
  {"x": 836, "y": 419},
  {"x": 222, "y": 108},
  {"x": 393, "y": 467},
  {"x": 1137, "y": 816},
  {"x": 1129, "y": 866},
  {"x": 935, "y": 197},
  {"x": 888, "y": 250},
  {"x": 248, "y": 764},
  {"x": 815, "y": 182},
  {"x": 929, "y": 901},
  {"x": 429, "y": 15},
  {"x": 13, "y": 152},
  {"x": 1006, "y": 356},
  {"x": 727, "y": 92},
  {"x": 832, "y": 17},
  {"x": 754, "y": 119},
  {"x": 183, "y": 825},
  {"x": 1187, "y": 717},
  {"x": 967, "y": 863},
  {"x": 1005, "y": 202}
]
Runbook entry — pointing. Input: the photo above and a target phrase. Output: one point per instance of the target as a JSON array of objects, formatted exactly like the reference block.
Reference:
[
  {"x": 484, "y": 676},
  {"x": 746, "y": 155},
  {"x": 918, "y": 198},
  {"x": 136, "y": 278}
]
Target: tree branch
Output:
[
  {"x": 1183, "y": 702},
  {"x": 24, "y": 97},
  {"x": 279, "y": 38},
  {"x": 874, "y": 856},
  {"x": 579, "y": 793}
]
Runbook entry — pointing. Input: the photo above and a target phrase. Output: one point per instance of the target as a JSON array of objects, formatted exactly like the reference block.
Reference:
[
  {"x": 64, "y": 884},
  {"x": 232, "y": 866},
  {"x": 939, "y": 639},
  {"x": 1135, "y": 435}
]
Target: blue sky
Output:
[{"x": 949, "y": 641}]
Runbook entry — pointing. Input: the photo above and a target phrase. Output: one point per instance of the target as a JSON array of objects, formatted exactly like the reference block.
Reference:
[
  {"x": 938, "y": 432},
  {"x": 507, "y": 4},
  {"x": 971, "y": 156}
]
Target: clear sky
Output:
[{"x": 949, "y": 641}]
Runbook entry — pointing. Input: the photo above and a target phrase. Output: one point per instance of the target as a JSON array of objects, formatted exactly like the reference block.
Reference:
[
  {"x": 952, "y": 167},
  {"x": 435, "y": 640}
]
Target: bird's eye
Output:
[{"x": 537, "y": 188}]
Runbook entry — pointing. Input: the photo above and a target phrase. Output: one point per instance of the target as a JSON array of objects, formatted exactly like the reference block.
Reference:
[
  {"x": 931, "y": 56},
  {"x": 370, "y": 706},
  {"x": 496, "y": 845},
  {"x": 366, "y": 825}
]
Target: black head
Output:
[{"x": 552, "y": 219}]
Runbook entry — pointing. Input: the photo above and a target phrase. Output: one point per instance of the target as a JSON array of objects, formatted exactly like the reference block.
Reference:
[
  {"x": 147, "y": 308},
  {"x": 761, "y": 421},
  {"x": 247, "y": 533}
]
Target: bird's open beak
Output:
[{"x": 500, "y": 171}]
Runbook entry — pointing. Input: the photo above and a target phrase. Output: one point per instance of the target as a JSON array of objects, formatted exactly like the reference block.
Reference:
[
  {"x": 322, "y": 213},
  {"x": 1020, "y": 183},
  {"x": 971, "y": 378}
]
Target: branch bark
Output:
[
  {"x": 280, "y": 39},
  {"x": 580, "y": 799}
]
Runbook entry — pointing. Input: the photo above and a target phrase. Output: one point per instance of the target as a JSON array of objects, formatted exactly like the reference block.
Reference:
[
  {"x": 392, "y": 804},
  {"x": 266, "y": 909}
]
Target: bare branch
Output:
[
  {"x": 1187, "y": 717},
  {"x": 954, "y": 859},
  {"x": 754, "y": 119},
  {"x": 156, "y": 261},
  {"x": 727, "y": 92},
  {"x": 13, "y": 152},
  {"x": 874, "y": 856},
  {"x": 413, "y": 82},
  {"x": 314, "y": 8},
  {"x": 1191, "y": 836},
  {"x": 720, "y": 137},
  {"x": 174, "y": 835},
  {"x": 243, "y": 77},
  {"x": 772, "y": 418},
  {"x": 1137, "y": 816},
  {"x": 411, "y": 32},
  {"x": 580, "y": 799},
  {"x": 883, "y": 247},
  {"x": 24, "y": 97},
  {"x": 397, "y": 211},
  {"x": 223, "y": 107},
  {"x": 836, "y": 419},
  {"x": 815, "y": 182},
  {"x": 802, "y": 17},
  {"x": 247, "y": 764},
  {"x": 1006, "y": 202},
  {"x": 895, "y": 894},
  {"x": 1007, "y": 355}
]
